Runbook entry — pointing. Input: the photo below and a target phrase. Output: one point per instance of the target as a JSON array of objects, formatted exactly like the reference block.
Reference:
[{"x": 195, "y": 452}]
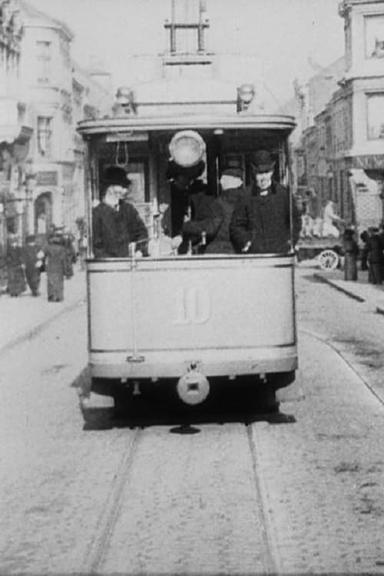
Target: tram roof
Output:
[{"x": 240, "y": 121}]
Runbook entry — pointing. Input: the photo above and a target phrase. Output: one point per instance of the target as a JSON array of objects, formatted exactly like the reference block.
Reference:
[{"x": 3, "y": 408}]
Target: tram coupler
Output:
[
  {"x": 136, "y": 388},
  {"x": 193, "y": 387}
]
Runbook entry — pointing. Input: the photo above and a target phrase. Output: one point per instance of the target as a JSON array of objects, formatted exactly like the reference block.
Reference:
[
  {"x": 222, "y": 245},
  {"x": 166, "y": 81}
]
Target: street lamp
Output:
[
  {"x": 245, "y": 95},
  {"x": 30, "y": 183}
]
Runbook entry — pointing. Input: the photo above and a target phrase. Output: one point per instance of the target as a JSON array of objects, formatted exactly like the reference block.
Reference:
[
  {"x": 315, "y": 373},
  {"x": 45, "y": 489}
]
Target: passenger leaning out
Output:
[
  {"x": 116, "y": 223},
  {"x": 201, "y": 214},
  {"x": 260, "y": 222}
]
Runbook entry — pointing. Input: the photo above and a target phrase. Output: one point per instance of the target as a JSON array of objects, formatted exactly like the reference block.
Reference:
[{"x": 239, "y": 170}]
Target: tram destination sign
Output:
[{"x": 129, "y": 136}]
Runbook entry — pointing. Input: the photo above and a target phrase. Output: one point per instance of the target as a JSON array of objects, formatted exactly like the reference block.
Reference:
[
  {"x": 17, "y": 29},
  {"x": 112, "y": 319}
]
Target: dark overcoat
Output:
[
  {"x": 221, "y": 244},
  {"x": 56, "y": 268},
  {"x": 113, "y": 230},
  {"x": 70, "y": 256},
  {"x": 206, "y": 216},
  {"x": 32, "y": 270},
  {"x": 265, "y": 221},
  {"x": 15, "y": 271},
  {"x": 375, "y": 259}
]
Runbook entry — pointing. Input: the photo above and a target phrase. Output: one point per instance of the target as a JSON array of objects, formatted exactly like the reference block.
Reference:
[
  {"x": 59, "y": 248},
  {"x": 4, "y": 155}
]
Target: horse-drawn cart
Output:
[{"x": 328, "y": 251}]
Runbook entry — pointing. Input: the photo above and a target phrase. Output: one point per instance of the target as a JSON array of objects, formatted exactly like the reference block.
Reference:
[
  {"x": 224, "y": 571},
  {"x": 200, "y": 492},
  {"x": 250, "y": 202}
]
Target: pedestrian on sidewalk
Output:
[
  {"x": 55, "y": 266},
  {"x": 15, "y": 268},
  {"x": 364, "y": 237},
  {"x": 33, "y": 259},
  {"x": 83, "y": 249},
  {"x": 70, "y": 254},
  {"x": 375, "y": 257},
  {"x": 351, "y": 251}
]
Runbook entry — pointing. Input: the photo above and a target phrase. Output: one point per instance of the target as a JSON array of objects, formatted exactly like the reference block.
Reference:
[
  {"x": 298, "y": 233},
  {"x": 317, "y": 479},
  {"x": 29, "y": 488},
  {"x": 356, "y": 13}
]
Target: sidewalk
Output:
[
  {"x": 24, "y": 316},
  {"x": 361, "y": 290}
]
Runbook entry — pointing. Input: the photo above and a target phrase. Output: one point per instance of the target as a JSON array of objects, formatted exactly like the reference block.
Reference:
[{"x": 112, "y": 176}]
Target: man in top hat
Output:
[
  {"x": 116, "y": 223},
  {"x": 261, "y": 221}
]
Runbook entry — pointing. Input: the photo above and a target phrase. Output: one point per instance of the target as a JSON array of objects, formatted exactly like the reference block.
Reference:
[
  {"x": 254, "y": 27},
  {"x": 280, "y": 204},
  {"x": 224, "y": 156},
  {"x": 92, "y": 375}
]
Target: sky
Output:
[{"x": 285, "y": 34}]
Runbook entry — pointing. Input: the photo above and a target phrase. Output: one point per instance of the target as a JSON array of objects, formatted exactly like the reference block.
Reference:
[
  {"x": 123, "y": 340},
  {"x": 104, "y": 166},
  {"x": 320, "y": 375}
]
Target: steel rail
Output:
[
  {"x": 270, "y": 553},
  {"x": 99, "y": 545}
]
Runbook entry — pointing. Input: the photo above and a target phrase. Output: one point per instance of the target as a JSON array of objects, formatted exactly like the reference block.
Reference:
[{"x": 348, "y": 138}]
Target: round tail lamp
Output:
[{"x": 187, "y": 148}]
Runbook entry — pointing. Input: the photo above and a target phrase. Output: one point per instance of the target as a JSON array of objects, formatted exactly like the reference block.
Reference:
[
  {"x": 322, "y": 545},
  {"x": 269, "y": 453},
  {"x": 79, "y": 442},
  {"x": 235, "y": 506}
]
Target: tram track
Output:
[
  {"x": 98, "y": 546},
  {"x": 199, "y": 508},
  {"x": 271, "y": 556}
]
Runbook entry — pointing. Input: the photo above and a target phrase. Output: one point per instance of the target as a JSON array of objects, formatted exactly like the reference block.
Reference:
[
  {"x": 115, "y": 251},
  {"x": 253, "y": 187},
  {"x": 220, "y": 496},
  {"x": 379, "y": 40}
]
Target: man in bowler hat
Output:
[
  {"x": 116, "y": 223},
  {"x": 261, "y": 220}
]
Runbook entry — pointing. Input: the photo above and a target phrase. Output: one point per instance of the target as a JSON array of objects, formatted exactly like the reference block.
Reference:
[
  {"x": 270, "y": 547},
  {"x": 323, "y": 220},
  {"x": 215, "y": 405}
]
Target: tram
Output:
[{"x": 191, "y": 321}]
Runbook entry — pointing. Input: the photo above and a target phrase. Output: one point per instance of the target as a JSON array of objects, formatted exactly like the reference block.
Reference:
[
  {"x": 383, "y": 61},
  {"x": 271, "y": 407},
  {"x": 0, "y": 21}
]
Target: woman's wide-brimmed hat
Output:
[{"x": 115, "y": 176}]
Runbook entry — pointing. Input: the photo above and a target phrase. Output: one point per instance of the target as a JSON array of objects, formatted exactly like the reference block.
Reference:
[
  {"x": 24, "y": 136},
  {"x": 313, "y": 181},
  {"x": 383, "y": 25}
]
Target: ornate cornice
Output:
[{"x": 11, "y": 26}]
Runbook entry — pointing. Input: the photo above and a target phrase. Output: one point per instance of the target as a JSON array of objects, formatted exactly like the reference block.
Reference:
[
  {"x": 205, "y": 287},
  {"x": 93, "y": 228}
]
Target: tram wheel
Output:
[{"x": 328, "y": 260}]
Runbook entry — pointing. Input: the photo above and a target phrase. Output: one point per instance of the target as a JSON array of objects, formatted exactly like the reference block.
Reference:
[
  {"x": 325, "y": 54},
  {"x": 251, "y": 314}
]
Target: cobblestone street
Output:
[{"x": 301, "y": 494}]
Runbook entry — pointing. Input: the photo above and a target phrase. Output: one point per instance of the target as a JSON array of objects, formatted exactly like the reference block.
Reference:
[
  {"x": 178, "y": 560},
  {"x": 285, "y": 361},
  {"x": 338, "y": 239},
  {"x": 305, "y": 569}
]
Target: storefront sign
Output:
[
  {"x": 369, "y": 162},
  {"x": 46, "y": 179}
]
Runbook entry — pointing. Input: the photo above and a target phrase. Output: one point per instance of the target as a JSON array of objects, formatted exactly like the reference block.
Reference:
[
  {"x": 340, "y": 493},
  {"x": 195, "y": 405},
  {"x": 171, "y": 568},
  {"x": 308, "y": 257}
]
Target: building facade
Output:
[
  {"x": 15, "y": 126},
  {"x": 43, "y": 94},
  {"x": 342, "y": 149}
]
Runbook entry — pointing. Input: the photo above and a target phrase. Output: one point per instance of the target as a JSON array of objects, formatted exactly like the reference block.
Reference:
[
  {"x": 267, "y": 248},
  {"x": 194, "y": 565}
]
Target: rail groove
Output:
[
  {"x": 99, "y": 544},
  {"x": 271, "y": 557}
]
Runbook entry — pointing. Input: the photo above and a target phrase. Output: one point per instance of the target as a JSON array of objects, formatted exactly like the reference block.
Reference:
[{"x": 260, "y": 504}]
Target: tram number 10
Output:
[{"x": 193, "y": 306}]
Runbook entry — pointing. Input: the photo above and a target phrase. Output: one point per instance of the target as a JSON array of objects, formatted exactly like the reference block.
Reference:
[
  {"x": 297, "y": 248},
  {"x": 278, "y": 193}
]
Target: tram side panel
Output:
[{"x": 156, "y": 319}]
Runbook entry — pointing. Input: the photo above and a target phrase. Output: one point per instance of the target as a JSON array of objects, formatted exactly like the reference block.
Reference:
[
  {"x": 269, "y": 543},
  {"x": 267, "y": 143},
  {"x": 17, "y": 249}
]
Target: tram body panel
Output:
[{"x": 154, "y": 318}]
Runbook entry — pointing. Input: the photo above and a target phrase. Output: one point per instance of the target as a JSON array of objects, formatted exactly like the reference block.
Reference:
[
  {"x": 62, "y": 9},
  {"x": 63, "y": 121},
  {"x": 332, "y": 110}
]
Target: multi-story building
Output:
[
  {"x": 15, "y": 127},
  {"x": 46, "y": 74},
  {"x": 360, "y": 161},
  {"x": 343, "y": 147},
  {"x": 58, "y": 94}
]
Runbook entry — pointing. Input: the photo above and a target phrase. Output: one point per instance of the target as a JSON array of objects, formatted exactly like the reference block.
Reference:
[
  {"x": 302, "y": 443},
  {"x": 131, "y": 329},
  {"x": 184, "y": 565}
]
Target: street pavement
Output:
[
  {"x": 361, "y": 290},
  {"x": 24, "y": 316}
]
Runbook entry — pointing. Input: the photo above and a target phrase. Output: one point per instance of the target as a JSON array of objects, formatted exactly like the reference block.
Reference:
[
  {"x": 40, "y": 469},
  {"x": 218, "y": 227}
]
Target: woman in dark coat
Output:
[
  {"x": 56, "y": 267},
  {"x": 15, "y": 270},
  {"x": 116, "y": 223}
]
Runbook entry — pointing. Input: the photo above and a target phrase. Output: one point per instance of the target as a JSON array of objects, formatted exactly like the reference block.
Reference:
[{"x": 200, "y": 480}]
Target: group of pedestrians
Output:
[
  {"x": 371, "y": 254},
  {"x": 25, "y": 264}
]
